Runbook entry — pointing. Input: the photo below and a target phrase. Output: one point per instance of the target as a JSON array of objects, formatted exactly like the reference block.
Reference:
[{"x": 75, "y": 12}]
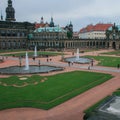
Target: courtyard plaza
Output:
[{"x": 73, "y": 108}]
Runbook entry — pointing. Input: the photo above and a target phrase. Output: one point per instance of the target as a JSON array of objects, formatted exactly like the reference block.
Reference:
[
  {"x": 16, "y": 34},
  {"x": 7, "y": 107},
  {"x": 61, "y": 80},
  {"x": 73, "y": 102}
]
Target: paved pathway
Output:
[{"x": 73, "y": 108}]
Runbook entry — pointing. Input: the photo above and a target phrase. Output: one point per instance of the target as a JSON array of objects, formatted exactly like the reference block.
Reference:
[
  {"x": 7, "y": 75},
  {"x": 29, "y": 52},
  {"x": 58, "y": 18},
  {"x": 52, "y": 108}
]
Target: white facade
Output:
[
  {"x": 97, "y": 31},
  {"x": 92, "y": 35}
]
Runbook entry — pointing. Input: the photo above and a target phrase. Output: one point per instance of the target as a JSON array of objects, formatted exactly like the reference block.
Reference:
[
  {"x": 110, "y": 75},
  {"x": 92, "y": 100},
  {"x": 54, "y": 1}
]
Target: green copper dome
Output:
[{"x": 50, "y": 29}]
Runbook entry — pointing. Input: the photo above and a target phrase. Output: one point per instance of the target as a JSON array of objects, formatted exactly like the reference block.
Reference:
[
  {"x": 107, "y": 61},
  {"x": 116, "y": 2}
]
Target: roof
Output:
[
  {"x": 38, "y": 25},
  {"x": 50, "y": 29},
  {"x": 97, "y": 27}
]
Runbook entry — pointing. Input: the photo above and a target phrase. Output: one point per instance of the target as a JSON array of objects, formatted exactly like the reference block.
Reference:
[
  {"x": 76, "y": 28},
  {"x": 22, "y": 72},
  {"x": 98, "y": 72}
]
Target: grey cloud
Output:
[{"x": 80, "y": 12}]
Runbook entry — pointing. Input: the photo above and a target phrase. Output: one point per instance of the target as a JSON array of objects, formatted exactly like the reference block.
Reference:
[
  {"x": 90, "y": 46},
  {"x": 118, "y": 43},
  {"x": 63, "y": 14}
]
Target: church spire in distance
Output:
[
  {"x": 10, "y": 12},
  {"x": 51, "y": 22}
]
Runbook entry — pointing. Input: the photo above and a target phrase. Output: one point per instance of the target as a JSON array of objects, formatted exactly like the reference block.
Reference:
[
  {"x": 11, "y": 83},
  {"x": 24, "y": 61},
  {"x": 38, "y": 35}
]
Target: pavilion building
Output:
[{"x": 97, "y": 31}]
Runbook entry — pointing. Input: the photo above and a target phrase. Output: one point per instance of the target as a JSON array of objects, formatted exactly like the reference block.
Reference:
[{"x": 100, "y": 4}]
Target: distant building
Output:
[
  {"x": 19, "y": 35},
  {"x": 97, "y": 31},
  {"x": 69, "y": 29},
  {"x": 47, "y": 33},
  {"x": 113, "y": 32},
  {"x": 47, "y": 36},
  {"x": 10, "y": 12},
  {"x": 13, "y": 35},
  {"x": 41, "y": 24},
  {"x": 76, "y": 35}
]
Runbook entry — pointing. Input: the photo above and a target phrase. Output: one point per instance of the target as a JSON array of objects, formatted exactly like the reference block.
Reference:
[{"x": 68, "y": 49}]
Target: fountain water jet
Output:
[
  {"x": 113, "y": 110},
  {"x": 26, "y": 62},
  {"x": 35, "y": 52},
  {"x": 77, "y": 54}
]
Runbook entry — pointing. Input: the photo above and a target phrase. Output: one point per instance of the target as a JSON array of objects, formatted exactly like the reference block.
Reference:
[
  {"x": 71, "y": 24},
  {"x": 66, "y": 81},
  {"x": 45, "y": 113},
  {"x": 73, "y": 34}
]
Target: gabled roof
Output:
[{"x": 97, "y": 27}]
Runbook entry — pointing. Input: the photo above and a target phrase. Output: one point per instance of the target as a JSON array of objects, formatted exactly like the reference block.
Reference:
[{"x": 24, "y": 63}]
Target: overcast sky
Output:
[{"x": 80, "y": 12}]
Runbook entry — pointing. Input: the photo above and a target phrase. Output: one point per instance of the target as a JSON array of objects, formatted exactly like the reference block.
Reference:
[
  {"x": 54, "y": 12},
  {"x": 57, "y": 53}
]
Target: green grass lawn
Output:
[
  {"x": 106, "y": 61},
  {"x": 53, "y": 91},
  {"x": 43, "y": 53},
  {"x": 14, "y": 50},
  {"x": 116, "y": 52}
]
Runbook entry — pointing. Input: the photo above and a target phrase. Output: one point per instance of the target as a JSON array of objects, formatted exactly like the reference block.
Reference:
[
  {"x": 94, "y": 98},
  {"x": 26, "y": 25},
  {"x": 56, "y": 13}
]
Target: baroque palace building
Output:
[
  {"x": 47, "y": 35},
  {"x": 18, "y": 35}
]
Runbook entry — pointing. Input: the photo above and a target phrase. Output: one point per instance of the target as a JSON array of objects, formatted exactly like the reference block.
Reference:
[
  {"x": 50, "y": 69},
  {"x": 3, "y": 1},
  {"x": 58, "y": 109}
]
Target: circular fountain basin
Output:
[
  {"x": 80, "y": 60},
  {"x": 32, "y": 69}
]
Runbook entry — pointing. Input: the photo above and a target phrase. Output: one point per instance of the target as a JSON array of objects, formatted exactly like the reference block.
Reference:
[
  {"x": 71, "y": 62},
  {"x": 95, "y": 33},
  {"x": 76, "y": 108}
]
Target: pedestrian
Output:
[
  {"x": 92, "y": 62},
  {"x": 89, "y": 67},
  {"x": 69, "y": 63},
  {"x": 50, "y": 59},
  {"x": 34, "y": 58},
  {"x": 72, "y": 53},
  {"x": 39, "y": 63},
  {"x": 118, "y": 66},
  {"x": 3, "y": 58}
]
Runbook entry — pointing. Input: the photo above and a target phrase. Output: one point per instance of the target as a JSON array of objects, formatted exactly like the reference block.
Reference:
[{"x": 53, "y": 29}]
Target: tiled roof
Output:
[
  {"x": 38, "y": 25},
  {"x": 97, "y": 27}
]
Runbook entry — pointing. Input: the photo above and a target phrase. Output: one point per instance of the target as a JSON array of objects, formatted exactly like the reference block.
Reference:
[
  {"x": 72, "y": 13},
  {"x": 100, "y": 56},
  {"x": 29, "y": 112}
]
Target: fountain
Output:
[
  {"x": 35, "y": 52},
  {"x": 112, "y": 107},
  {"x": 109, "y": 109},
  {"x": 27, "y": 62},
  {"x": 29, "y": 69},
  {"x": 78, "y": 59}
]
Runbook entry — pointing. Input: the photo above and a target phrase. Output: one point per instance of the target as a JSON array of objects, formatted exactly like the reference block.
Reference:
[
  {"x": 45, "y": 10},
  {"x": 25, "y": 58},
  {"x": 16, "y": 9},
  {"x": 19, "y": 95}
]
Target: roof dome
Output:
[{"x": 50, "y": 29}]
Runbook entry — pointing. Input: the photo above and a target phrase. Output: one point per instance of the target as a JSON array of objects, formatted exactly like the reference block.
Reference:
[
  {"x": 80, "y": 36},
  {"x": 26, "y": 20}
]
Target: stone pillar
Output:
[
  {"x": 110, "y": 45},
  {"x": 117, "y": 45}
]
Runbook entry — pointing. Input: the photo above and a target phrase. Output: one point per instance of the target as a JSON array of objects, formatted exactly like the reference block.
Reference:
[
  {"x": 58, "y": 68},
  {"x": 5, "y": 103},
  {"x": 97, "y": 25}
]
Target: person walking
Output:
[{"x": 118, "y": 66}]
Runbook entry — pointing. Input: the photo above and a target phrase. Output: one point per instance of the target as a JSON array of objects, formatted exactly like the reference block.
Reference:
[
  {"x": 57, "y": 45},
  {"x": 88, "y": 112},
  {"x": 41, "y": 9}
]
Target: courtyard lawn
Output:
[
  {"x": 14, "y": 50},
  {"x": 106, "y": 61},
  {"x": 116, "y": 52},
  {"x": 40, "y": 53},
  {"x": 46, "y": 92}
]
